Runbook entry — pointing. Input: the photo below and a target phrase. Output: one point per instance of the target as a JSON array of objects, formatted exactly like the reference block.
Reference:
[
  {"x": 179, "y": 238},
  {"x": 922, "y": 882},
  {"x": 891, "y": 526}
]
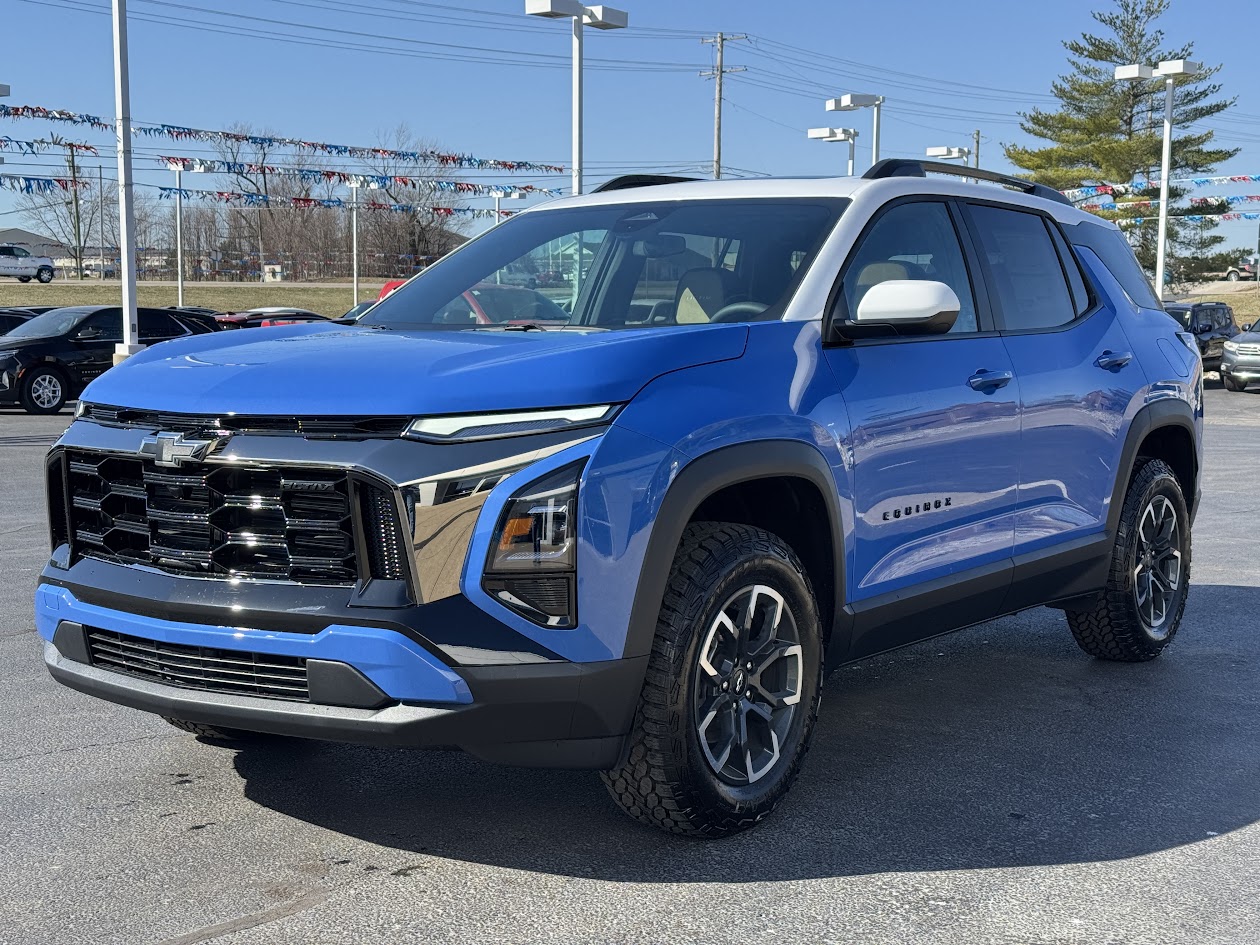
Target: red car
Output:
[{"x": 490, "y": 304}]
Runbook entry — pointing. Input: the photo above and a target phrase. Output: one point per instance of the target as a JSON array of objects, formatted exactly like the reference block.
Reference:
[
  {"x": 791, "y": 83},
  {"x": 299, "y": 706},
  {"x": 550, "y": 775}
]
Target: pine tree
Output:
[{"x": 1109, "y": 131}]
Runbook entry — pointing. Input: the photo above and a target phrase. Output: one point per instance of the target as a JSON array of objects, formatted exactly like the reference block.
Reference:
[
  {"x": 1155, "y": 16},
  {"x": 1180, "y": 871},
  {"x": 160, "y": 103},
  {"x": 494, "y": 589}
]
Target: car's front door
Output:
[
  {"x": 93, "y": 343},
  {"x": 933, "y": 442},
  {"x": 1078, "y": 378},
  {"x": 23, "y": 262}
]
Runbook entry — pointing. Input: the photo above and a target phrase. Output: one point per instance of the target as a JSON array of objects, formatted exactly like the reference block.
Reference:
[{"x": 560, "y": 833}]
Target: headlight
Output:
[
  {"x": 485, "y": 426},
  {"x": 80, "y": 408},
  {"x": 1231, "y": 346},
  {"x": 530, "y": 567}
]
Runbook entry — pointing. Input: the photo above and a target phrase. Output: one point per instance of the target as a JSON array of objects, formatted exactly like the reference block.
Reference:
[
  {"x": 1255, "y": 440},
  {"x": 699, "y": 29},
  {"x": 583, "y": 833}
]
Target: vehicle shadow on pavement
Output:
[{"x": 999, "y": 746}]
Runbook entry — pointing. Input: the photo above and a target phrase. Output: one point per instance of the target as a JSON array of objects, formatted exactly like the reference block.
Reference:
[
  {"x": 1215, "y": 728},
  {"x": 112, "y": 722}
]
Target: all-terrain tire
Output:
[
  {"x": 667, "y": 780},
  {"x": 1115, "y": 628}
]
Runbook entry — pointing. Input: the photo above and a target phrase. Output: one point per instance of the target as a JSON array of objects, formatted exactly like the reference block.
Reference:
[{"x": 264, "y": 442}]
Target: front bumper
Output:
[
  {"x": 544, "y": 714},
  {"x": 1242, "y": 367}
]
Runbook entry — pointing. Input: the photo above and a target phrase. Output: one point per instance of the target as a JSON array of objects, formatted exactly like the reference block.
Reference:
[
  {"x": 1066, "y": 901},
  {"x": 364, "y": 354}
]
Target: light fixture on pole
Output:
[
  {"x": 354, "y": 184},
  {"x": 852, "y": 102},
  {"x": 949, "y": 154},
  {"x": 504, "y": 195},
  {"x": 836, "y": 136},
  {"x": 600, "y": 17},
  {"x": 126, "y": 213},
  {"x": 1169, "y": 70}
]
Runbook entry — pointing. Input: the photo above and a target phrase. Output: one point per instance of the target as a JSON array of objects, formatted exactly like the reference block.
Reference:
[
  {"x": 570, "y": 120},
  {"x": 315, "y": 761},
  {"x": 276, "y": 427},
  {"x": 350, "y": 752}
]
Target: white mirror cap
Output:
[{"x": 906, "y": 301}]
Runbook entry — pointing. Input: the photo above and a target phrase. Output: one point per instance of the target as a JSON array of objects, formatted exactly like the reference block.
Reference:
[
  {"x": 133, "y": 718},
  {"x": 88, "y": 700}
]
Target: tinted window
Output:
[
  {"x": 914, "y": 241},
  {"x": 1112, "y": 248},
  {"x": 155, "y": 326},
  {"x": 1076, "y": 282},
  {"x": 1223, "y": 318},
  {"x": 1027, "y": 276},
  {"x": 20, "y": 253},
  {"x": 109, "y": 323},
  {"x": 8, "y": 322}
]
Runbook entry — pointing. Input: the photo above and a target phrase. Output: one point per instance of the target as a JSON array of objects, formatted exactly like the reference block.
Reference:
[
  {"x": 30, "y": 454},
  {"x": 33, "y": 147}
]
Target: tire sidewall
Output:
[
  {"x": 1164, "y": 484},
  {"x": 45, "y": 276},
  {"x": 782, "y": 575},
  {"x": 28, "y": 403}
]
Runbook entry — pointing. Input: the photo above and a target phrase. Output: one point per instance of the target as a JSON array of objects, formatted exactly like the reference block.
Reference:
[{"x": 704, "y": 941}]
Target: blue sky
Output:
[{"x": 945, "y": 70}]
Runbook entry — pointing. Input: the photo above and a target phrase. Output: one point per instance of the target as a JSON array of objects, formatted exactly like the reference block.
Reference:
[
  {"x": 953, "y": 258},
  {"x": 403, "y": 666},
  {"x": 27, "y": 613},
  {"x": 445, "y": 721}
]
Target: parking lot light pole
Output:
[
  {"x": 836, "y": 136},
  {"x": 949, "y": 154},
  {"x": 504, "y": 195},
  {"x": 852, "y": 102},
  {"x": 1167, "y": 70},
  {"x": 600, "y": 17},
  {"x": 126, "y": 214}
]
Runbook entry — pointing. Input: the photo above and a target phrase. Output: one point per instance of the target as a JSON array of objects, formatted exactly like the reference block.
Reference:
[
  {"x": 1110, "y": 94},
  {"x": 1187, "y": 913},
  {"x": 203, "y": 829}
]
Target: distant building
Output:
[{"x": 37, "y": 245}]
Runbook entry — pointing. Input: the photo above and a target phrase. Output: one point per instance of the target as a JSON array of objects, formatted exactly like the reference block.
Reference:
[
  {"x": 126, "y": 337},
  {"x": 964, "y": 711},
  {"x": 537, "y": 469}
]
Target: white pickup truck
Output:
[{"x": 19, "y": 264}]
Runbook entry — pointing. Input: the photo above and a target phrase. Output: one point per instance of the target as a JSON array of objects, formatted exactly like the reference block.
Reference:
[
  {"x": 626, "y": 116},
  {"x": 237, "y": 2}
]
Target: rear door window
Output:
[{"x": 1025, "y": 274}]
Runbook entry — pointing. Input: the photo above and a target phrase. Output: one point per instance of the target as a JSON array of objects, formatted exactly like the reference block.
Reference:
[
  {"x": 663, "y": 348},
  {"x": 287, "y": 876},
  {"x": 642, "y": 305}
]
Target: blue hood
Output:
[{"x": 310, "y": 370}]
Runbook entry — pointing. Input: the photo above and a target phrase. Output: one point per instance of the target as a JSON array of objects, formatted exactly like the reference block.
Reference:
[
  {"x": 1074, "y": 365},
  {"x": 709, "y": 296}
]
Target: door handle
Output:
[
  {"x": 1110, "y": 360},
  {"x": 989, "y": 380}
]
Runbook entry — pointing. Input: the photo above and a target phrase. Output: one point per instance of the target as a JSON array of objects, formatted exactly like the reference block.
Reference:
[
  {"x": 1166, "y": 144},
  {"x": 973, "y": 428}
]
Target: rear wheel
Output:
[
  {"x": 732, "y": 686},
  {"x": 1140, "y": 610},
  {"x": 23, "y": 278},
  {"x": 43, "y": 391}
]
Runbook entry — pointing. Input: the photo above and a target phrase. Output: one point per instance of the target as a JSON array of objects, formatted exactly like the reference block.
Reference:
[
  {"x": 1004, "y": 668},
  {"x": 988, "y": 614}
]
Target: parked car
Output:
[
  {"x": 267, "y": 317},
  {"x": 390, "y": 286},
  {"x": 1240, "y": 361},
  {"x": 18, "y": 263},
  {"x": 900, "y": 405},
  {"x": 39, "y": 309},
  {"x": 10, "y": 318},
  {"x": 50, "y": 358},
  {"x": 1211, "y": 323},
  {"x": 1243, "y": 269}
]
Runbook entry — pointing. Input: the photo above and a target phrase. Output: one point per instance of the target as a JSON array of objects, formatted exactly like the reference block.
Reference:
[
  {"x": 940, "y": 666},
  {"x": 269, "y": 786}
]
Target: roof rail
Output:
[
  {"x": 902, "y": 167},
  {"x": 626, "y": 181}
]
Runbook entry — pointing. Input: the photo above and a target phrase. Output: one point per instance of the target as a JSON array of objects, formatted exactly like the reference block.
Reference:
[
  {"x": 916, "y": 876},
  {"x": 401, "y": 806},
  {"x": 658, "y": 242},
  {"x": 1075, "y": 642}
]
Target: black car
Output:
[
  {"x": 1211, "y": 323},
  {"x": 49, "y": 359},
  {"x": 10, "y": 318}
]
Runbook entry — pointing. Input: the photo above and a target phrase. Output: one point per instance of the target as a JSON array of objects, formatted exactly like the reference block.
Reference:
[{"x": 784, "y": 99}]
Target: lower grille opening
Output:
[{"x": 236, "y": 672}]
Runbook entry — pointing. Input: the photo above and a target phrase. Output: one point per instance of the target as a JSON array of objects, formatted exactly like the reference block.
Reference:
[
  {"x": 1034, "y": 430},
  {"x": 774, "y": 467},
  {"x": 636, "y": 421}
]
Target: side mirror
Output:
[
  {"x": 1247, "y": 327},
  {"x": 87, "y": 334},
  {"x": 923, "y": 307}
]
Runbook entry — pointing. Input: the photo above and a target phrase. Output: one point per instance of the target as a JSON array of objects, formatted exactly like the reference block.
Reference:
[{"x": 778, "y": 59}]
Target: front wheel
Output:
[
  {"x": 43, "y": 391},
  {"x": 1140, "y": 610},
  {"x": 44, "y": 275},
  {"x": 1232, "y": 277},
  {"x": 732, "y": 686},
  {"x": 1232, "y": 384}
]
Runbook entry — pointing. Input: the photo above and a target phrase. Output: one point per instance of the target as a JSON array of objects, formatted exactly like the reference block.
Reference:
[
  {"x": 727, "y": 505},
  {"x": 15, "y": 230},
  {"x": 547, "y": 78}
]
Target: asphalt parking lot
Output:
[{"x": 993, "y": 786}]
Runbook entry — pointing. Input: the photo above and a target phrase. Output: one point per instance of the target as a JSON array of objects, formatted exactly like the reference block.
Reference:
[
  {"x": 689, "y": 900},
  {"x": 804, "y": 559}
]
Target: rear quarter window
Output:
[{"x": 1112, "y": 248}]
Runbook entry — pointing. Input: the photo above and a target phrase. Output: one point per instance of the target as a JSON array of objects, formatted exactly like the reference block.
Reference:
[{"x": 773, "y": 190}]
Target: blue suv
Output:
[{"x": 780, "y": 425}]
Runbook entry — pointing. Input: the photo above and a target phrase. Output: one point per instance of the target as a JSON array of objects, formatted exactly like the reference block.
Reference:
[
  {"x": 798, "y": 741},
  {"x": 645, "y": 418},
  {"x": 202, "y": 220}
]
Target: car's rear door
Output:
[
  {"x": 1078, "y": 381},
  {"x": 934, "y": 441}
]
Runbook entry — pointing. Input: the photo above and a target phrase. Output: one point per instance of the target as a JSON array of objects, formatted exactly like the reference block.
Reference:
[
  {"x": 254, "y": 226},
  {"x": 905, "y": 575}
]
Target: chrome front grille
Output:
[
  {"x": 213, "y": 520},
  {"x": 200, "y": 667}
]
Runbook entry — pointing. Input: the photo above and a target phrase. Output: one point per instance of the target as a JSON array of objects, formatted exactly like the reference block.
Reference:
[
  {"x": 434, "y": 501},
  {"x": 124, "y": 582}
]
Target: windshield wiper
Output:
[{"x": 526, "y": 326}]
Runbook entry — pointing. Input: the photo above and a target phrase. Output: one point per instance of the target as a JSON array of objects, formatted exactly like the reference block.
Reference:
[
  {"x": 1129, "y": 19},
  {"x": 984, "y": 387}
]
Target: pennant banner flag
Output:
[
  {"x": 1233, "y": 199},
  {"x": 1091, "y": 190},
  {"x": 39, "y": 145},
  {"x": 262, "y": 200},
  {"x": 54, "y": 114},
  {"x": 1200, "y": 217},
  {"x": 373, "y": 181},
  {"x": 39, "y": 185}
]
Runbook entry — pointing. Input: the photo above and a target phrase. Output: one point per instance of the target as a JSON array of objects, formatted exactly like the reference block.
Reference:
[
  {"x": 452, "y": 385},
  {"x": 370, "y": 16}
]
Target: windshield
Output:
[
  {"x": 635, "y": 265},
  {"x": 50, "y": 324}
]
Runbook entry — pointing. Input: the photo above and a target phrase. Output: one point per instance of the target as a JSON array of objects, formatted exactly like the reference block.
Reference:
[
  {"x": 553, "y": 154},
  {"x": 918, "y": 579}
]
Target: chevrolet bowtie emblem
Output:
[{"x": 175, "y": 449}]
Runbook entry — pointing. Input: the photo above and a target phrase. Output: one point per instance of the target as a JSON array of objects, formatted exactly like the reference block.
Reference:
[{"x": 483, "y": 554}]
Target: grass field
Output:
[{"x": 332, "y": 301}]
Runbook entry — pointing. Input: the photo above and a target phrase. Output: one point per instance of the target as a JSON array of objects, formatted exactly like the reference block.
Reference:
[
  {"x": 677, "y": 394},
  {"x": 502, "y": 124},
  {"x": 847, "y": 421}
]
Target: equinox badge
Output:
[{"x": 174, "y": 449}]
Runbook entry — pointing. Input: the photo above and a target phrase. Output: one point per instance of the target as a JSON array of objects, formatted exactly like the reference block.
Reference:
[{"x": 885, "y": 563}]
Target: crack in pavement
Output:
[
  {"x": 60, "y": 751},
  {"x": 282, "y": 911}
]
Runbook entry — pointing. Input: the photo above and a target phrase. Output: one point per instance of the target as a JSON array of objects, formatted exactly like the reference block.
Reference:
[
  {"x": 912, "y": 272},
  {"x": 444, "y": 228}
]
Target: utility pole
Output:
[
  {"x": 74, "y": 203},
  {"x": 720, "y": 41},
  {"x": 975, "y": 148},
  {"x": 100, "y": 212}
]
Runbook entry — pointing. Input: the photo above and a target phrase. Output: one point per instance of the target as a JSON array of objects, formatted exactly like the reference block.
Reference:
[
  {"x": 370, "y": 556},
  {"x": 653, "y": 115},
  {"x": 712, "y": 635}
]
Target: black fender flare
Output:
[
  {"x": 701, "y": 478},
  {"x": 1162, "y": 413}
]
